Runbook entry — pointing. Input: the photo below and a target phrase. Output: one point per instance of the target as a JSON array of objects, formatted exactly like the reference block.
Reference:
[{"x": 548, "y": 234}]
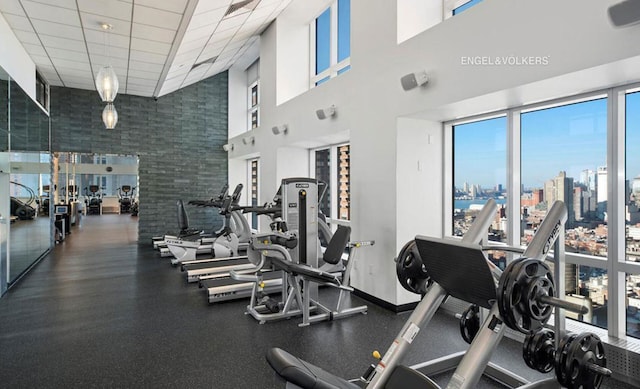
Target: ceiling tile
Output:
[
  {"x": 121, "y": 71},
  {"x": 72, "y": 83},
  {"x": 70, "y": 4},
  {"x": 223, "y": 36},
  {"x": 57, "y": 29},
  {"x": 27, "y": 37},
  {"x": 179, "y": 73},
  {"x": 212, "y": 50},
  {"x": 11, "y": 7},
  {"x": 156, "y": 17},
  {"x": 177, "y": 6},
  {"x": 145, "y": 92},
  {"x": 150, "y": 46},
  {"x": 188, "y": 46},
  {"x": 147, "y": 75},
  {"x": 106, "y": 8},
  {"x": 204, "y": 6},
  {"x": 111, "y": 52},
  {"x": 69, "y": 64},
  {"x": 67, "y": 54},
  {"x": 94, "y": 22},
  {"x": 101, "y": 60},
  {"x": 34, "y": 49},
  {"x": 146, "y": 66},
  {"x": 112, "y": 40},
  {"x": 202, "y": 32},
  {"x": 41, "y": 60},
  {"x": 51, "y": 12},
  {"x": 263, "y": 11},
  {"x": 152, "y": 33},
  {"x": 208, "y": 18},
  {"x": 141, "y": 82},
  {"x": 63, "y": 43},
  {"x": 18, "y": 22},
  {"x": 148, "y": 57},
  {"x": 233, "y": 22}
]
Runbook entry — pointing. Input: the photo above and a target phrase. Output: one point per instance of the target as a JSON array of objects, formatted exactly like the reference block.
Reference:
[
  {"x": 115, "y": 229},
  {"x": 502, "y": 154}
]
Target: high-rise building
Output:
[
  {"x": 601, "y": 185},
  {"x": 588, "y": 178},
  {"x": 578, "y": 192},
  {"x": 561, "y": 188}
]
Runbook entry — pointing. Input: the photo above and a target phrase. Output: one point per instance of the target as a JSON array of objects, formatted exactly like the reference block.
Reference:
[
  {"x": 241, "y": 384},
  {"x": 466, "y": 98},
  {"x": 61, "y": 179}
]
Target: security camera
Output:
[
  {"x": 326, "y": 112},
  {"x": 413, "y": 80},
  {"x": 227, "y": 147},
  {"x": 625, "y": 13}
]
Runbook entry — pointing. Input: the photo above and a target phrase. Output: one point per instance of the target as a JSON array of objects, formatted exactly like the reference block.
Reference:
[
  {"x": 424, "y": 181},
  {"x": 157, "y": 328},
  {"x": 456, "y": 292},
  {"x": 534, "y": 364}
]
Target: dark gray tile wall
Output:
[
  {"x": 4, "y": 115},
  {"x": 29, "y": 125},
  {"x": 178, "y": 139}
]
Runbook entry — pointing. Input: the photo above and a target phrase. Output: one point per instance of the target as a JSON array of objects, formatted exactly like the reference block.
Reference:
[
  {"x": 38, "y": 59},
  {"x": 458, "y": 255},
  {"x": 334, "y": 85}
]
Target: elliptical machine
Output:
[
  {"x": 23, "y": 210},
  {"x": 126, "y": 194},
  {"x": 93, "y": 200}
]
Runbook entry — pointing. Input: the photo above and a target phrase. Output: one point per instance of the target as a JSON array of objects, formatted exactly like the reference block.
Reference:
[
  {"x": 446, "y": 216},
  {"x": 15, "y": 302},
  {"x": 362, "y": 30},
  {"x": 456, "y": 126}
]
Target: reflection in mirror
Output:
[
  {"x": 96, "y": 184},
  {"x": 30, "y": 236},
  {"x": 4, "y": 110}
]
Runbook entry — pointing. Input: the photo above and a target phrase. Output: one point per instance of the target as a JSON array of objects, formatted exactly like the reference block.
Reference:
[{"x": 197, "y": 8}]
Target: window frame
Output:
[
  {"x": 450, "y": 5},
  {"x": 615, "y": 262},
  {"x": 251, "y": 108},
  {"x": 332, "y": 219},
  {"x": 335, "y": 68}
]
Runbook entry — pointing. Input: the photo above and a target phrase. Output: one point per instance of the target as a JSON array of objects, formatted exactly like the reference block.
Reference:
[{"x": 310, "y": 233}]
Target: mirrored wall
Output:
[{"x": 25, "y": 178}]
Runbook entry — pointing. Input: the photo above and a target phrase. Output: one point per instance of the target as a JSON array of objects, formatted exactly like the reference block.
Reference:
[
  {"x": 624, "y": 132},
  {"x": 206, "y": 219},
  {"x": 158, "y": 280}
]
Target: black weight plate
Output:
[
  {"x": 538, "y": 350},
  {"x": 584, "y": 350},
  {"x": 410, "y": 269},
  {"x": 506, "y": 295},
  {"x": 470, "y": 323},
  {"x": 561, "y": 368}
]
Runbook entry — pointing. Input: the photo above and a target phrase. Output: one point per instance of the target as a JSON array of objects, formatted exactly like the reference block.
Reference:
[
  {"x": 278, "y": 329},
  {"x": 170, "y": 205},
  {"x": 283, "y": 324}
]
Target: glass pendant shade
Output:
[
  {"x": 110, "y": 116},
  {"x": 107, "y": 84}
]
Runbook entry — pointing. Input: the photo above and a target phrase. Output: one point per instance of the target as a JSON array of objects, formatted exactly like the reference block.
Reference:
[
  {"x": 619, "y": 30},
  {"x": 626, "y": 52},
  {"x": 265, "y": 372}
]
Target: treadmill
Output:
[{"x": 301, "y": 197}]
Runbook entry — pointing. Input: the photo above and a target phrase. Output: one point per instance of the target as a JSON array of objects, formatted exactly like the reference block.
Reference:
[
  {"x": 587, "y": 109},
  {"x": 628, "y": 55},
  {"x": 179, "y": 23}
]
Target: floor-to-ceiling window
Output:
[{"x": 583, "y": 150}]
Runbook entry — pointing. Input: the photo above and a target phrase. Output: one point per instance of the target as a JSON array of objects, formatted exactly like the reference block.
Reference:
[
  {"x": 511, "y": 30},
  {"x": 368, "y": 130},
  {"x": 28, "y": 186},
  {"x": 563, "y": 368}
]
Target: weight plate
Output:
[
  {"x": 561, "y": 368},
  {"x": 470, "y": 323},
  {"x": 538, "y": 350},
  {"x": 520, "y": 284},
  {"x": 586, "y": 349},
  {"x": 411, "y": 271}
]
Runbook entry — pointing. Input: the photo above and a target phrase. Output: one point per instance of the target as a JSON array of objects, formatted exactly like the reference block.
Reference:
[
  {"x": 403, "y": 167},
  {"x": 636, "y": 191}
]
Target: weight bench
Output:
[{"x": 277, "y": 257}]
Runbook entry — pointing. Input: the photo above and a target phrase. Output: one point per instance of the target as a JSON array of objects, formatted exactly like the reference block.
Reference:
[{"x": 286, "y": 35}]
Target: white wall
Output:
[
  {"x": 238, "y": 120},
  {"x": 416, "y": 16},
  {"x": 15, "y": 60},
  {"x": 419, "y": 184},
  {"x": 584, "y": 53}
]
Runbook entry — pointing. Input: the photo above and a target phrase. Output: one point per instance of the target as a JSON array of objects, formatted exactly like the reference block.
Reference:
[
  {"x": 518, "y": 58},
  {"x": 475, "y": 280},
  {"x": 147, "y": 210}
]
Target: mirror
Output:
[{"x": 25, "y": 171}]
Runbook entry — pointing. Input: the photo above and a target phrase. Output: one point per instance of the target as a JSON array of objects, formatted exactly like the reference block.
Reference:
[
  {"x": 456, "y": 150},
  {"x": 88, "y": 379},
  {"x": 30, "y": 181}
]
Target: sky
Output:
[{"x": 569, "y": 138}]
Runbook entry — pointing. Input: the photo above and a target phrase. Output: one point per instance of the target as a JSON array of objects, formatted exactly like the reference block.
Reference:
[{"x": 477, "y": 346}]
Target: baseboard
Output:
[{"x": 385, "y": 304}]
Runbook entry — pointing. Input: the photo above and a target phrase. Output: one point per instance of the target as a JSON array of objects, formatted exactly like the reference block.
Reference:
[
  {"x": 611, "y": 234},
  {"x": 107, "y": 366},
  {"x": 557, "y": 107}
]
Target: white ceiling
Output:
[{"x": 155, "y": 46}]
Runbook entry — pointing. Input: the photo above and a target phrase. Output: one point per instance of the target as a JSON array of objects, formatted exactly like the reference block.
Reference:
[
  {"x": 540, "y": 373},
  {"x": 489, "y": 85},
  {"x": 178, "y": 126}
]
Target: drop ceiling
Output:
[{"x": 155, "y": 46}]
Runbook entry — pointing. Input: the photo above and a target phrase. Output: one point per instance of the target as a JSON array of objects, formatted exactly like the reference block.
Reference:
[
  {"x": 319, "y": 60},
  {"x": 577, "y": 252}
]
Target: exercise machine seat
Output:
[
  {"x": 307, "y": 272},
  {"x": 404, "y": 377},
  {"x": 338, "y": 243},
  {"x": 304, "y": 374}
]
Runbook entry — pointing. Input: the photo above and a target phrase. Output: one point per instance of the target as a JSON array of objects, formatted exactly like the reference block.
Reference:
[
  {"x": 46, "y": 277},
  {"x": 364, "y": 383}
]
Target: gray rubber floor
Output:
[{"x": 103, "y": 311}]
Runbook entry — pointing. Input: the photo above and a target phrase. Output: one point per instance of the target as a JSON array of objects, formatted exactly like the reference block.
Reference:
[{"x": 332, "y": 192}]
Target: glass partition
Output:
[{"x": 25, "y": 173}]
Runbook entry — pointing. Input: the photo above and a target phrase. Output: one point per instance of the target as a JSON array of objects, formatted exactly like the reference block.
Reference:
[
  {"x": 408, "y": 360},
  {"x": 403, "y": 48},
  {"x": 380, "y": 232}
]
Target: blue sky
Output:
[{"x": 570, "y": 138}]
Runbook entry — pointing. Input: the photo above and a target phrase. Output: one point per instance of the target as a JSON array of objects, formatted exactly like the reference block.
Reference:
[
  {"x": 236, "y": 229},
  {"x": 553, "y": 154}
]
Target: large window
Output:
[
  {"x": 331, "y": 42},
  {"x": 582, "y": 150},
  {"x": 465, "y": 6},
  {"x": 336, "y": 202},
  {"x": 479, "y": 173},
  {"x": 253, "y": 94},
  {"x": 254, "y": 189}
]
